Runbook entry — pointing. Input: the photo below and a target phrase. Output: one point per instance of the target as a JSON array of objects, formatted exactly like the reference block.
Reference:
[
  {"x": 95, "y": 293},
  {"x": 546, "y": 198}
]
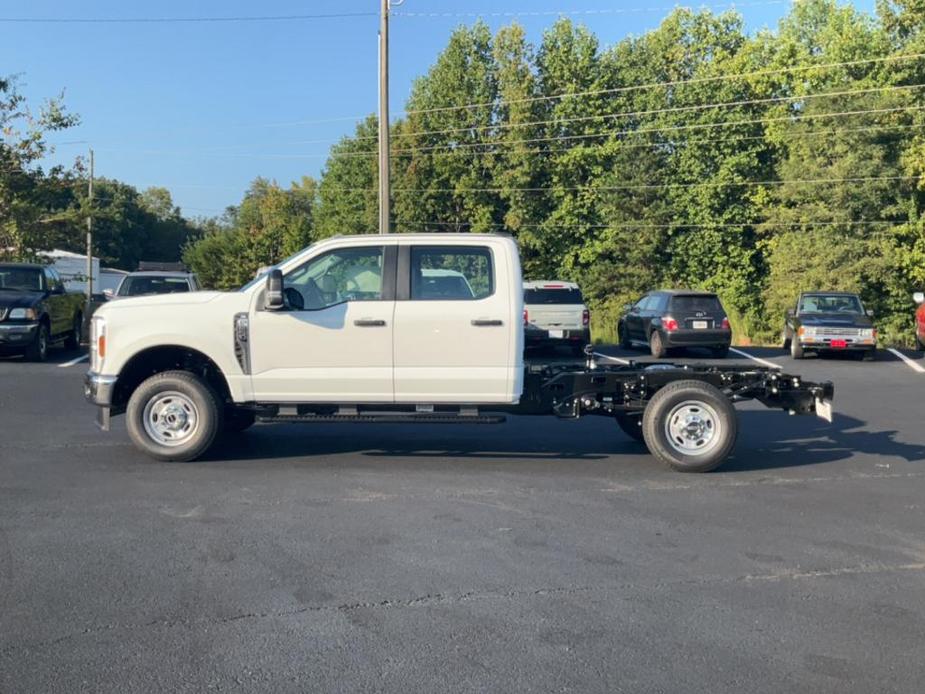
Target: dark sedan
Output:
[
  {"x": 829, "y": 322},
  {"x": 670, "y": 319}
]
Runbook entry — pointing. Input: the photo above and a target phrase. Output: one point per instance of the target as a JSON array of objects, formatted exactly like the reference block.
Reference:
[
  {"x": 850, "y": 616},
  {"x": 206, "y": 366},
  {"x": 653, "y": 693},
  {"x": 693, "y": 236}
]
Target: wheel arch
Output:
[{"x": 158, "y": 359}]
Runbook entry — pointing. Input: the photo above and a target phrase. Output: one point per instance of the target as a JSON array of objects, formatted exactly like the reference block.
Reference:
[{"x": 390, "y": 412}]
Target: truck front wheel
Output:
[
  {"x": 690, "y": 425},
  {"x": 173, "y": 416}
]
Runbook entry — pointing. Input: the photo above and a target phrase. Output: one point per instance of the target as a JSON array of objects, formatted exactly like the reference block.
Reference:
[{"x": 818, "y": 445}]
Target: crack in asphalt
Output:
[{"x": 431, "y": 599}]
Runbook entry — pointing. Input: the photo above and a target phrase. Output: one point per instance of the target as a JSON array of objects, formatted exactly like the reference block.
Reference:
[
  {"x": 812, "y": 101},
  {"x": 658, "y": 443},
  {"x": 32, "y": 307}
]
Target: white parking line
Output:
[
  {"x": 73, "y": 362},
  {"x": 605, "y": 356},
  {"x": 914, "y": 365},
  {"x": 754, "y": 358}
]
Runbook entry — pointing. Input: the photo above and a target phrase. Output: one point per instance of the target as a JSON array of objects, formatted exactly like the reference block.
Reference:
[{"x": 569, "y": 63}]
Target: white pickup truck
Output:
[{"x": 409, "y": 328}]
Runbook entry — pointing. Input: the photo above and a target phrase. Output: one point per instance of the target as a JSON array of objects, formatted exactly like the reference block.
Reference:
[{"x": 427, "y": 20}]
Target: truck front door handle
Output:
[
  {"x": 369, "y": 323},
  {"x": 483, "y": 323}
]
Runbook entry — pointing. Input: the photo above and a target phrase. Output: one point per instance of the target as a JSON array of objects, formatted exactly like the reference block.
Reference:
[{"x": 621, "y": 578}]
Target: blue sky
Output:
[{"x": 204, "y": 108}]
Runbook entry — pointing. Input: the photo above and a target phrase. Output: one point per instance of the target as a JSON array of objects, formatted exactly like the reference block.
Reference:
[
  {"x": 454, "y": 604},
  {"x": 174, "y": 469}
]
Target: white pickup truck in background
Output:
[
  {"x": 555, "y": 314},
  {"x": 406, "y": 328}
]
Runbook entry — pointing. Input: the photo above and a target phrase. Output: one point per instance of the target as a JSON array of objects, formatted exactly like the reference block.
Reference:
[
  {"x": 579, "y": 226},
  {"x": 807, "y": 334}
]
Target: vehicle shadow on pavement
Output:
[
  {"x": 767, "y": 440},
  {"x": 801, "y": 441}
]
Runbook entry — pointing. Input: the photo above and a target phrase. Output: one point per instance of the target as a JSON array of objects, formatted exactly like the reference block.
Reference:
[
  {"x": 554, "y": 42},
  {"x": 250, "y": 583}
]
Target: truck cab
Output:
[{"x": 422, "y": 320}]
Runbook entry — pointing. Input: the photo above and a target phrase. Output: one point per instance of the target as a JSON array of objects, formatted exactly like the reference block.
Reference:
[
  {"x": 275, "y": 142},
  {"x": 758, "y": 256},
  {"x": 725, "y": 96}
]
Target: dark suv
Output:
[{"x": 664, "y": 320}]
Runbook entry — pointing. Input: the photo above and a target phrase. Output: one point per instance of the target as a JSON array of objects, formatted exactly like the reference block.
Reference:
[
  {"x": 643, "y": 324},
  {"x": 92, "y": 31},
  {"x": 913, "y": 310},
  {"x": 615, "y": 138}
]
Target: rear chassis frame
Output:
[{"x": 610, "y": 390}]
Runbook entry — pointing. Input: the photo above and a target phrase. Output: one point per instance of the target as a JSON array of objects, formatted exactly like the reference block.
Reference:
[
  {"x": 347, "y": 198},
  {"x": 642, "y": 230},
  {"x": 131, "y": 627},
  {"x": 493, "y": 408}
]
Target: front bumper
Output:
[
  {"x": 844, "y": 342},
  {"x": 98, "y": 390},
  {"x": 17, "y": 336}
]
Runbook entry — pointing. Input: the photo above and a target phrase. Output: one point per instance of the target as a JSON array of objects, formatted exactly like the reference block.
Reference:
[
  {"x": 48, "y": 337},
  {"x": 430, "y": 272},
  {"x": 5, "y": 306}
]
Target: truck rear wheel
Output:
[
  {"x": 173, "y": 416},
  {"x": 690, "y": 425}
]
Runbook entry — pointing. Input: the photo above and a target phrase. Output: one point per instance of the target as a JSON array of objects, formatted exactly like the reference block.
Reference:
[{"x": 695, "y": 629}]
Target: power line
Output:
[
  {"x": 675, "y": 109},
  {"x": 654, "y": 186},
  {"x": 660, "y": 186},
  {"x": 691, "y": 126},
  {"x": 672, "y": 225},
  {"x": 183, "y": 20},
  {"x": 675, "y": 83},
  {"x": 573, "y": 13}
]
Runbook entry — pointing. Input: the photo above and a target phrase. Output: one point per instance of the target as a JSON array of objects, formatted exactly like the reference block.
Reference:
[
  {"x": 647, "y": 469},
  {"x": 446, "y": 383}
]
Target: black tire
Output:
[
  {"x": 38, "y": 350},
  {"x": 786, "y": 340},
  {"x": 657, "y": 345},
  {"x": 631, "y": 425},
  {"x": 623, "y": 337},
  {"x": 919, "y": 345},
  {"x": 721, "y": 352},
  {"x": 237, "y": 420},
  {"x": 183, "y": 392},
  {"x": 796, "y": 349},
  {"x": 690, "y": 453},
  {"x": 76, "y": 334}
]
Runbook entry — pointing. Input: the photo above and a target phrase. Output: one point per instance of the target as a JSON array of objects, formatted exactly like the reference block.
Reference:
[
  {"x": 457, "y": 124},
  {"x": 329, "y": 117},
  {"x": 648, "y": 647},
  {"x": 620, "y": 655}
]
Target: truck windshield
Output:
[
  {"x": 139, "y": 286},
  {"x": 21, "y": 279},
  {"x": 830, "y": 303},
  {"x": 552, "y": 296}
]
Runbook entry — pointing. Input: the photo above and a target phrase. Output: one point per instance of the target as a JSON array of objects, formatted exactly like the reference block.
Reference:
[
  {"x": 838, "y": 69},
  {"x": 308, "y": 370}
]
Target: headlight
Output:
[
  {"x": 97, "y": 343},
  {"x": 868, "y": 333},
  {"x": 808, "y": 332},
  {"x": 22, "y": 314}
]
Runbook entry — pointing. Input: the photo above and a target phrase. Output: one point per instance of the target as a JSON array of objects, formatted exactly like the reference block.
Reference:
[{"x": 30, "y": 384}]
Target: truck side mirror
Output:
[
  {"x": 870, "y": 313},
  {"x": 273, "y": 299},
  {"x": 108, "y": 293},
  {"x": 919, "y": 297},
  {"x": 791, "y": 312}
]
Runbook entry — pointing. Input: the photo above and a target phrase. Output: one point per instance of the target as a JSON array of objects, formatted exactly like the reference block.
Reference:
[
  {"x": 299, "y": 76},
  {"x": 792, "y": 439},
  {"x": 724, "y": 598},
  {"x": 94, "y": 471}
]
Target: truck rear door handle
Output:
[
  {"x": 483, "y": 323},
  {"x": 366, "y": 323}
]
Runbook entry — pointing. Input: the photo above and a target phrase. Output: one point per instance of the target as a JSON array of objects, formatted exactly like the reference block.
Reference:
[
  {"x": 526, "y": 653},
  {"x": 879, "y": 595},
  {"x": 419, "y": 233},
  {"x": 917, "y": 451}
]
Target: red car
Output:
[{"x": 919, "y": 298}]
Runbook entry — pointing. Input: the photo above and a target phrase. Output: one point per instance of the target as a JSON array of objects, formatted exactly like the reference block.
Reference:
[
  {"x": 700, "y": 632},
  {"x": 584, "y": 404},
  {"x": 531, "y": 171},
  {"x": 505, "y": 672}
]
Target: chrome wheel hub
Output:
[
  {"x": 693, "y": 428},
  {"x": 170, "y": 418}
]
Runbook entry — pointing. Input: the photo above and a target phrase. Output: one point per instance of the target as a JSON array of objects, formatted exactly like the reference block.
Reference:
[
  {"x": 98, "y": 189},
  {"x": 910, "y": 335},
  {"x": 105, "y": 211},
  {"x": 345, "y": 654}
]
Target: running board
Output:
[{"x": 384, "y": 418}]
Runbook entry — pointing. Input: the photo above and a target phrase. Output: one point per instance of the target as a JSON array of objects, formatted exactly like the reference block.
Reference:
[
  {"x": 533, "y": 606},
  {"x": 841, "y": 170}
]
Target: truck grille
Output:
[{"x": 838, "y": 332}]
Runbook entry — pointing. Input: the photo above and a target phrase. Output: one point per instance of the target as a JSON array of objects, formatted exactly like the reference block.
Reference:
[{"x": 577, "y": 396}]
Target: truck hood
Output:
[
  {"x": 15, "y": 299},
  {"x": 178, "y": 299},
  {"x": 835, "y": 320}
]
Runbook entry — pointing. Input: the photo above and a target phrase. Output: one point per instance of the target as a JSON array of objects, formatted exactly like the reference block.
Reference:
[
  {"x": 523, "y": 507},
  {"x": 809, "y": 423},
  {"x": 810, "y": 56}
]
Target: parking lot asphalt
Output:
[{"x": 537, "y": 555}]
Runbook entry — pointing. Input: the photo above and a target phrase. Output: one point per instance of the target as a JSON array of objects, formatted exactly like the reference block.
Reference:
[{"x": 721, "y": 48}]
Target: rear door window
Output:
[
  {"x": 451, "y": 273},
  {"x": 553, "y": 296}
]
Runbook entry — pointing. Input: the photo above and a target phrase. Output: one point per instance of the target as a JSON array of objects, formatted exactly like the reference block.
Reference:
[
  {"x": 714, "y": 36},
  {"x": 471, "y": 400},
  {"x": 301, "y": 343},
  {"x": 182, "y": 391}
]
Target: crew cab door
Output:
[
  {"x": 333, "y": 340},
  {"x": 456, "y": 332}
]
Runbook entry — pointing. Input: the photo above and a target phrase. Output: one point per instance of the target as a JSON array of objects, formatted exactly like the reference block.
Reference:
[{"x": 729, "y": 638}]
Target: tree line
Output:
[
  {"x": 46, "y": 208},
  {"x": 694, "y": 155}
]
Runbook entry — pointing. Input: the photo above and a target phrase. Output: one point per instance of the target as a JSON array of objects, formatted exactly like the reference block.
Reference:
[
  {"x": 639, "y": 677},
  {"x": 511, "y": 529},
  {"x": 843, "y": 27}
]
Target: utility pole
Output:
[
  {"x": 90, "y": 236},
  {"x": 384, "y": 164}
]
